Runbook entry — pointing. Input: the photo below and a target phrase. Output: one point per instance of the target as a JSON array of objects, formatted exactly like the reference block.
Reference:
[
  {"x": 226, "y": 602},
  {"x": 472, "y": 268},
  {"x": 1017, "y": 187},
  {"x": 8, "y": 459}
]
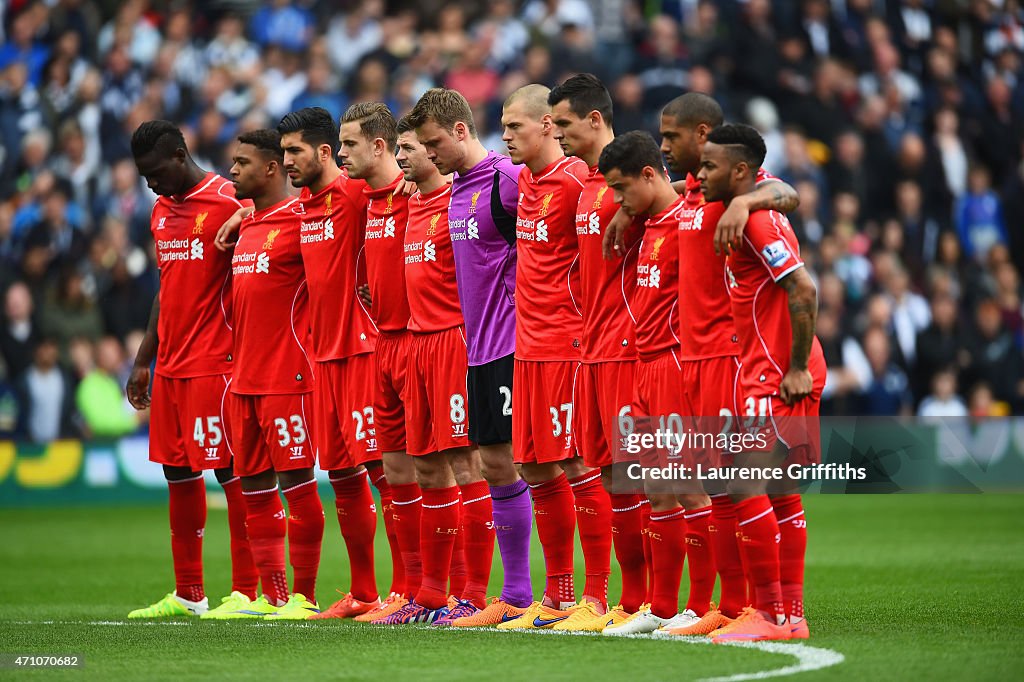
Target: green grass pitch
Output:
[{"x": 925, "y": 587}]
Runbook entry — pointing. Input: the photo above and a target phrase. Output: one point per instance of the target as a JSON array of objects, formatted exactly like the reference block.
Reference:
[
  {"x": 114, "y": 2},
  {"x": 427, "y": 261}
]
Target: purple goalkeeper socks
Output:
[{"x": 513, "y": 521}]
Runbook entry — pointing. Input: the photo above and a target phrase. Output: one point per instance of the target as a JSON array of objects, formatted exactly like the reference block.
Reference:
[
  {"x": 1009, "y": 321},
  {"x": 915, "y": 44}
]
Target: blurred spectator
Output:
[
  {"x": 47, "y": 397},
  {"x": 23, "y": 44},
  {"x": 939, "y": 345},
  {"x": 10, "y": 407},
  {"x": 762, "y": 114},
  {"x": 943, "y": 400},
  {"x": 549, "y": 16},
  {"x": 888, "y": 390},
  {"x": 992, "y": 356},
  {"x": 20, "y": 333},
  {"x": 70, "y": 313},
  {"x": 100, "y": 398},
  {"x": 661, "y": 63},
  {"x": 352, "y": 35},
  {"x": 282, "y": 24},
  {"x": 979, "y": 216}
]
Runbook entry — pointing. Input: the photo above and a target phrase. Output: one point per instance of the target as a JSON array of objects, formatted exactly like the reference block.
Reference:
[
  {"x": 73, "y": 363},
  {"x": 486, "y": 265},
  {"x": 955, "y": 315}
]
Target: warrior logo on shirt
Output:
[
  {"x": 200, "y": 219},
  {"x": 541, "y": 230},
  {"x": 328, "y": 200},
  {"x": 328, "y": 228},
  {"x": 472, "y": 231},
  {"x": 594, "y": 222},
  {"x": 656, "y": 251},
  {"x": 269, "y": 244},
  {"x": 296, "y": 451},
  {"x": 197, "y": 250},
  {"x": 161, "y": 224},
  {"x": 263, "y": 263},
  {"x": 432, "y": 230},
  {"x": 600, "y": 196},
  {"x": 389, "y": 226},
  {"x": 546, "y": 204},
  {"x": 472, "y": 203},
  {"x": 429, "y": 251}
]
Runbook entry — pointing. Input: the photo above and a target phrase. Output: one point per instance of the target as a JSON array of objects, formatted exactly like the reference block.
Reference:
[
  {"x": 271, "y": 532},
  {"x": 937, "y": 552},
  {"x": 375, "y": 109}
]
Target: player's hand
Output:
[
  {"x": 796, "y": 385},
  {"x": 613, "y": 242},
  {"x": 227, "y": 235},
  {"x": 406, "y": 187},
  {"x": 729, "y": 232},
  {"x": 364, "y": 293},
  {"x": 138, "y": 388}
]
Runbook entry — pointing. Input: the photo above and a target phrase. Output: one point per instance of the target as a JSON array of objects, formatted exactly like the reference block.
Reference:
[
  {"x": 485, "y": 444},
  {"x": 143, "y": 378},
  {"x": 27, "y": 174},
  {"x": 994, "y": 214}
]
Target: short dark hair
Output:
[
  {"x": 159, "y": 135},
  {"x": 375, "y": 120},
  {"x": 316, "y": 125},
  {"x": 694, "y": 108},
  {"x": 585, "y": 93},
  {"x": 744, "y": 142},
  {"x": 630, "y": 153},
  {"x": 266, "y": 140},
  {"x": 404, "y": 125},
  {"x": 445, "y": 107}
]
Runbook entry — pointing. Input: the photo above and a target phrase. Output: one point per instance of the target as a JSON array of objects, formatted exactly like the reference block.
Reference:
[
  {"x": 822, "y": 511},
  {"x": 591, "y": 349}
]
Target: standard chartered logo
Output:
[
  {"x": 328, "y": 229},
  {"x": 197, "y": 249},
  {"x": 542, "y": 231},
  {"x": 429, "y": 251},
  {"x": 594, "y": 223},
  {"x": 472, "y": 231},
  {"x": 263, "y": 263},
  {"x": 389, "y": 227},
  {"x": 655, "y": 277}
]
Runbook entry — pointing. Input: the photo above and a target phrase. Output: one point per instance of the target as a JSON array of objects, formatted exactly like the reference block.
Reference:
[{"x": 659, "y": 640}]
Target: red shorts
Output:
[
  {"x": 709, "y": 389},
  {"x": 658, "y": 383},
  {"x": 392, "y": 357},
  {"x": 270, "y": 432},
  {"x": 542, "y": 410},
  {"x": 796, "y": 426},
  {"x": 187, "y": 425},
  {"x": 435, "y": 399},
  {"x": 343, "y": 413},
  {"x": 604, "y": 397}
]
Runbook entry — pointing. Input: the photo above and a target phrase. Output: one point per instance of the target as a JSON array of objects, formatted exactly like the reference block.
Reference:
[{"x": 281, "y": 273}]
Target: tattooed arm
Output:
[
  {"x": 803, "y": 314},
  {"x": 774, "y": 194}
]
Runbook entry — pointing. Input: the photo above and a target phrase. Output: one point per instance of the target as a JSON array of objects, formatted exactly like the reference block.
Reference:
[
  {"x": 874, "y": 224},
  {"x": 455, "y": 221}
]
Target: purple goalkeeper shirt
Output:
[{"x": 482, "y": 223}]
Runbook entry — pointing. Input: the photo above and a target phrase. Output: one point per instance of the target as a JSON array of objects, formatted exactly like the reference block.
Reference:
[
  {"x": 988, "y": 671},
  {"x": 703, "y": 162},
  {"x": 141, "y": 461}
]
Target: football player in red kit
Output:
[{"x": 774, "y": 306}]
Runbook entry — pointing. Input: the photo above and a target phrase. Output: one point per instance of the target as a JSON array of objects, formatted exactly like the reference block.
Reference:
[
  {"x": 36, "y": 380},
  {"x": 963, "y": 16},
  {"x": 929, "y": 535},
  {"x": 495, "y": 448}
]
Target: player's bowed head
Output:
[{"x": 631, "y": 165}]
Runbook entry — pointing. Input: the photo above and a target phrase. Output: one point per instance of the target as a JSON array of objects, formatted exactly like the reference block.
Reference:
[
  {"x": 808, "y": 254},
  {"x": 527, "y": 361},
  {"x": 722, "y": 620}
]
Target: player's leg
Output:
[
  {"x": 186, "y": 507},
  {"x": 400, "y": 467},
  {"x": 477, "y": 531},
  {"x": 343, "y": 419},
  {"x": 490, "y": 427}
]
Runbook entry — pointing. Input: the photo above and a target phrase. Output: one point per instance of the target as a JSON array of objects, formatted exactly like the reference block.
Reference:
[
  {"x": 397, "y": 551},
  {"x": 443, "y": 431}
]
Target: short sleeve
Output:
[{"x": 771, "y": 237}]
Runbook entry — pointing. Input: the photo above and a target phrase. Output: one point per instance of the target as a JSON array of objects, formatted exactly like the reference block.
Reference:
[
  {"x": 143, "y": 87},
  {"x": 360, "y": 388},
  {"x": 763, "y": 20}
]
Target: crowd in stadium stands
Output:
[{"x": 900, "y": 123}]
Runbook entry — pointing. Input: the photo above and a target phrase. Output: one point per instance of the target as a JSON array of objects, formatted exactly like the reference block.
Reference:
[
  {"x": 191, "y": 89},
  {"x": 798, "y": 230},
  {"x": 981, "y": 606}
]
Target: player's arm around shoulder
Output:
[{"x": 772, "y": 194}]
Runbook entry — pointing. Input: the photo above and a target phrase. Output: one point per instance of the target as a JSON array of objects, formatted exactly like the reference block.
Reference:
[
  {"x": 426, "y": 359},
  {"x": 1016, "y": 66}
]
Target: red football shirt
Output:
[
  {"x": 655, "y": 301},
  {"x": 271, "y": 305},
  {"x": 194, "y": 325},
  {"x": 706, "y": 329},
  {"x": 332, "y": 226},
  {"x": 761, "y": 308},
  {"x": 430, "y": 264},
  {"x": 387, "y": 214},
  {"x": 606, "y": 286},
  {"x": 549, "y": 325}
]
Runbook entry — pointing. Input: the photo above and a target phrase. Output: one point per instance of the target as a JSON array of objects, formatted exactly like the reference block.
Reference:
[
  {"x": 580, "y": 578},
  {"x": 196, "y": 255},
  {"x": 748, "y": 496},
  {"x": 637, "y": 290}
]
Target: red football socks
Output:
[
  {"x": 187, "y": 508},
  {"x": 594, "y": 518},
  {"x": 305, "y": 536},
  {"x": 265, "y": 520},
  {"x": 667, "y": 532},
  {"x": 357, "y": 518},
  {"x": 627, "y": 530},
  {"x": 648, "y": 553},
  {"x": 789, "y": 510},
  {"x": 244, "y": 576},
  {"x": 478, "y": 529},
  {"x": 758, "y": 532},
  {"x": 439, "y": 526},
  {"x": 457, "y": 568},
  {"x": 407, "y": 499},
  {"x": 556, "y": 527},
  {"x": 384, "y": 489},
  {"x": 727, "y": 556},
  {"x": 701, "y": 559}
]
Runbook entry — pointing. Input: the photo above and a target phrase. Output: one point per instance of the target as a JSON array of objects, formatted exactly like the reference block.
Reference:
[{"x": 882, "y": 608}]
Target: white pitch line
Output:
[{"x": 808, "y": 657}]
